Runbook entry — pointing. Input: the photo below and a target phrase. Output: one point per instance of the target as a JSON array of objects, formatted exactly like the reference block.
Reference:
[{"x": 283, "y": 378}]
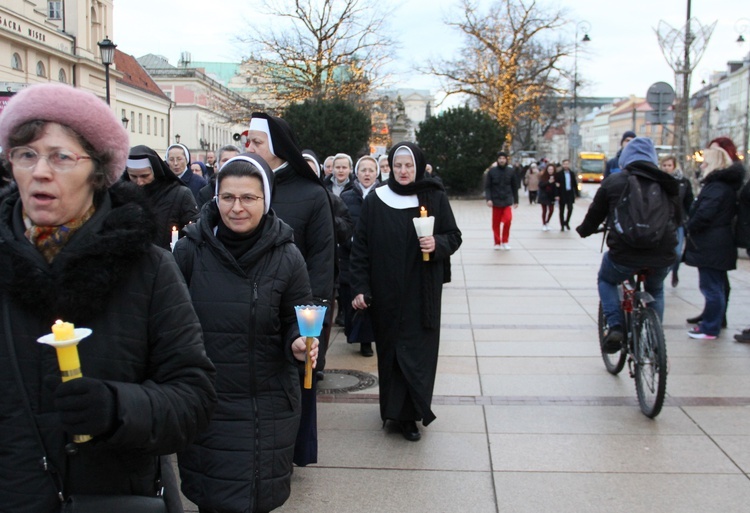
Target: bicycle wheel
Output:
[
  {"x": 650, "y": 362},
  {"x": 612, "y": 362}
]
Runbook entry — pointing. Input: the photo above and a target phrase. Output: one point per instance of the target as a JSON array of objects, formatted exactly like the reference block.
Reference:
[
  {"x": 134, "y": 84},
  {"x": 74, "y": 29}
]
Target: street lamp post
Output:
[
  {"x": 581, "y": 27},
  {"x": 107, "y": 50},
  {"x": 743, "y": 26}
]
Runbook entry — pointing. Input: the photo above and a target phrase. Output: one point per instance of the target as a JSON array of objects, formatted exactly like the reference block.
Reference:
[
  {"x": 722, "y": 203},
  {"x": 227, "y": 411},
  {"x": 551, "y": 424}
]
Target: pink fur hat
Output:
[{"x": 85, "y": 113}]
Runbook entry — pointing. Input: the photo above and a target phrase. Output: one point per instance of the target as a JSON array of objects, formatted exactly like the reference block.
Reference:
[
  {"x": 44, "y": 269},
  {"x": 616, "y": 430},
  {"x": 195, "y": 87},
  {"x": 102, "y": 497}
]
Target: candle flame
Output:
[
  {"x": 58, "y": 321},
  {"x": 174, "y": 228}
]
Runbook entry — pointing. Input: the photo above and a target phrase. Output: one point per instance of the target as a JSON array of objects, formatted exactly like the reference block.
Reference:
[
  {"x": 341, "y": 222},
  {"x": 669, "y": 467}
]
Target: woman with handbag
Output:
[{"x": 77, "y": 248}]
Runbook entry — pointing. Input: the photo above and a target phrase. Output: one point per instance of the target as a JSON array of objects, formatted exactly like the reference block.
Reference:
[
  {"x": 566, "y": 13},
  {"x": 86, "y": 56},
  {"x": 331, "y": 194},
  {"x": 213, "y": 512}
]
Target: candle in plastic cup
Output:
[
  {"x": 310, "y": 321},
  {"x": 67, "y": 359}
]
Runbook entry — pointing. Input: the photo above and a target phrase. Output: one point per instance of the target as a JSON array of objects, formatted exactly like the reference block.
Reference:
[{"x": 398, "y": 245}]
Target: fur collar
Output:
[{"x": 90, "y": 267}]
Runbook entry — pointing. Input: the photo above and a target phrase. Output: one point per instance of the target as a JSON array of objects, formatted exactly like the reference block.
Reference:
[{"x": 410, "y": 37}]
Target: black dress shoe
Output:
[
  {"x": 365, "y": 349},
  {"x": 695, "y": 320},
  {"x": 410, "y": 431}
]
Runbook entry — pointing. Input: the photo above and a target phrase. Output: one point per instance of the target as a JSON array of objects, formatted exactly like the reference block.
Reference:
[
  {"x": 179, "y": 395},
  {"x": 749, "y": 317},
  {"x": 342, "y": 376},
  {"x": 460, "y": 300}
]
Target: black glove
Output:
[{"x": 86, "y": 406}]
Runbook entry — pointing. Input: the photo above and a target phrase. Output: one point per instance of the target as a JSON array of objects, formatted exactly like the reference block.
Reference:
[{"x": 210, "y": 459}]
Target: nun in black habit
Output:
[
  {"x": 172, "y": 202},
  {"x": 405, "y": 291},
  {"x": 301, "y": 201}
]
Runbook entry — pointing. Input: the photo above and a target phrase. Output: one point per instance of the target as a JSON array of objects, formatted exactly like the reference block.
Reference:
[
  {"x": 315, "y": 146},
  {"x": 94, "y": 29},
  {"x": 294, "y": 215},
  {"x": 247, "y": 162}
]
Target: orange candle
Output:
[{"x": 423, "y": 212}]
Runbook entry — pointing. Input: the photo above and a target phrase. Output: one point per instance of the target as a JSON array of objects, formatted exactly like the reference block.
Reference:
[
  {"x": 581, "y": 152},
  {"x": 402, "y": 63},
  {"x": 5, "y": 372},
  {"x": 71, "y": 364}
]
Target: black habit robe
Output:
[{"x": 386, "y": 263}]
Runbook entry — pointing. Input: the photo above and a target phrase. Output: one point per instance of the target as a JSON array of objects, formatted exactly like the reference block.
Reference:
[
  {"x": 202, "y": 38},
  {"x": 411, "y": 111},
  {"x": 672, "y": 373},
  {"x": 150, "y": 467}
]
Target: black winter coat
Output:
[
  {"x": 305, "y": 207},
  {"x": 194, "y": 182},
  {"x": 603, "y": 206},
  {"x": 173, "y": 205},
  {"x": 547, "y": 192},
  {"x": 501, "y": 186},
  {"x": 710, "y": 238},
  {"x": 243, "y": 461},
  {"x": 146, "y": 345},
  {"x": 353, "y": 199},
  {"x": 742, "y": 229}
]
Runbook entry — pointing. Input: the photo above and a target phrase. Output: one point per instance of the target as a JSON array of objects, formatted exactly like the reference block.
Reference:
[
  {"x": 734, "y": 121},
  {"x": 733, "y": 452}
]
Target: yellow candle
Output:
[
  {"x": 308, "y": 363},
  {"x": 67, "y": 356},
  {"x": 423, "y": 212},
  {"x": 63, "y": 330}
]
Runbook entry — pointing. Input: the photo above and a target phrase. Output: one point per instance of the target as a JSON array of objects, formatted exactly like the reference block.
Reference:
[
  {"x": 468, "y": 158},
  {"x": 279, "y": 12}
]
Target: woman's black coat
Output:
[
  {"x": 710, "y": 237},
  {"x": 146, "y": 344},
  {"x": 243, "y": 461}
]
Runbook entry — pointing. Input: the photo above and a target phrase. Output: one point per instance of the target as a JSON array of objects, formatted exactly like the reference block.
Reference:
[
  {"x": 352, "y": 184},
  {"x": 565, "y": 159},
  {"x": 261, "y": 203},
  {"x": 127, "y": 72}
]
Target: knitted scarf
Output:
[{"x": 50, "y": 240}]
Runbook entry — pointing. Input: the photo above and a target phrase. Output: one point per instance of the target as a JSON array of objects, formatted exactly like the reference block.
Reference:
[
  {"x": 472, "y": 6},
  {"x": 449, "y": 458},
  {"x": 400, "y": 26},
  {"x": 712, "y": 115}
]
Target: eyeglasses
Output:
[
  {"x": 61, "y": 161},
  {"x": 246, "y": 200}
]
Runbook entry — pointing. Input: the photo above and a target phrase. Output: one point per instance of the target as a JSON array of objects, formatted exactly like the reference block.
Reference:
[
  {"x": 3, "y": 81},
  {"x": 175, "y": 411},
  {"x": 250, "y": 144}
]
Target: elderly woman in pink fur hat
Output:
[{"x": 77, "y": 248}]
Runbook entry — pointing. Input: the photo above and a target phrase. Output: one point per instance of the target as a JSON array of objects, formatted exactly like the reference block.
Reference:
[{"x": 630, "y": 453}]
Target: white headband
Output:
[
  {"x": 263, "y": 178},
  {"x": 143, "y": 163},
  {"x": 368, "y": 157},
  {"x": 261, "y": 125}
]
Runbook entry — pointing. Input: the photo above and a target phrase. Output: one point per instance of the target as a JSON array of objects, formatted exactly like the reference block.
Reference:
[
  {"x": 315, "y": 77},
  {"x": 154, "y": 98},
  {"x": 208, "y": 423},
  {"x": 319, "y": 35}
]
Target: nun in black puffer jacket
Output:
[{"x": 245, "y": 277}]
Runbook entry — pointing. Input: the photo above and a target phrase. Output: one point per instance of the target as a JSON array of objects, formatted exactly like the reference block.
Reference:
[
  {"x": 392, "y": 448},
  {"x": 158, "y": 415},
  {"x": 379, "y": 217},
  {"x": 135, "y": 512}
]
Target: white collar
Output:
[{"x": 394, "y": 200}]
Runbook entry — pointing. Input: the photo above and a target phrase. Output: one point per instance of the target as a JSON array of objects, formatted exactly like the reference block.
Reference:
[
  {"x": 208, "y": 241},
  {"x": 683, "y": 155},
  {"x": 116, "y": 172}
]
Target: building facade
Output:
[
  {"x": 45, "y": 41},
  {"x": 205, "y": 114}
]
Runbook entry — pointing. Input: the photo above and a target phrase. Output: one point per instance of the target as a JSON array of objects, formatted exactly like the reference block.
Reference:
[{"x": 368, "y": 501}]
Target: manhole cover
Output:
[{"x": 341, "y": 381}]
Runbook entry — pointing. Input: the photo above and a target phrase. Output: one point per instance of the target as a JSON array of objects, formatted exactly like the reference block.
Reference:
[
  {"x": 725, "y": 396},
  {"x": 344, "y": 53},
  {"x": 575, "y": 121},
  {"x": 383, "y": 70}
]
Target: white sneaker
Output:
[
  {"x": 505, "y": 247},
  {"x": 498, "y": 247},
  {"x": 544, "y": 227}
]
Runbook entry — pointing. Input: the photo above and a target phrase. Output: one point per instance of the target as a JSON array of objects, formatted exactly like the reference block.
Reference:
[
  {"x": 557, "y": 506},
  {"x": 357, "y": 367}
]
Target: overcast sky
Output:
[{"x": 622, "y": 58}]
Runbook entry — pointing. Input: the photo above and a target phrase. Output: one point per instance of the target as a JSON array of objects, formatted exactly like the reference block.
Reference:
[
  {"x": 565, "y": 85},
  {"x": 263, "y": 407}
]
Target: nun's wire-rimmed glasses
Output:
[
  {"x": 61, "y": 161},
  {"x": 246, "y": 200}
]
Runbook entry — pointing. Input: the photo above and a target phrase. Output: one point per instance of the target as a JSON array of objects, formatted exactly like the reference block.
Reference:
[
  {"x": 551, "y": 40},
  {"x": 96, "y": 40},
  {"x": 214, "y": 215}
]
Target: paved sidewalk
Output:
[{"x": 528, "y": 419}]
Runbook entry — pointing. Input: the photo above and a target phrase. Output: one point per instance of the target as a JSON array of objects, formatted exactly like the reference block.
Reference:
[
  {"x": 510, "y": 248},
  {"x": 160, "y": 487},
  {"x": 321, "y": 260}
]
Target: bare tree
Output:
[
  {"x": 324, "y": 49},
  {"x": 509, "y": 65}
]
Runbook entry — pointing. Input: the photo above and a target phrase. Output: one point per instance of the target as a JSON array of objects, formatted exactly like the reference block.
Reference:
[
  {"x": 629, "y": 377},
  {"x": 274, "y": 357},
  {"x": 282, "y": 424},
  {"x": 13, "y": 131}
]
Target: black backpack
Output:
[{"x": 643, "y": 213}]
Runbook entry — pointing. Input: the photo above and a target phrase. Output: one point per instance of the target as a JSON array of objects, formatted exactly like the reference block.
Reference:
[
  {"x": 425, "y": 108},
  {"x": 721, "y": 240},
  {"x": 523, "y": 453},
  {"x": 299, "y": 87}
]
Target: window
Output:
[
  {"x": 140, "y": 123},
  {"x": 16, "y": 63},
  {"x": 148, "y": 125},
  {"x": 61, "y": 77},
  {"x": 54, "y": 10},
  {"x": 155, "y": 126},
  {"x": 40, "y": 71},
  {"x": 132, "y": 122},
  {"x": 162, "y": 127}
]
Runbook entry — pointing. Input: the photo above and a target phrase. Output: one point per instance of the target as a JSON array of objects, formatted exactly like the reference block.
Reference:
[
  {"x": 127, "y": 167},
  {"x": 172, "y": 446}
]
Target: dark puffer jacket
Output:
[
  {"x": 603, "y": 206},
  {"x": 146, "y": 344},
  {"x": 710, "y": 238},
  {"x": 501, "y": 186},
  {"x": 305, "y": 207},
  {"x": 243, "y": 461}
]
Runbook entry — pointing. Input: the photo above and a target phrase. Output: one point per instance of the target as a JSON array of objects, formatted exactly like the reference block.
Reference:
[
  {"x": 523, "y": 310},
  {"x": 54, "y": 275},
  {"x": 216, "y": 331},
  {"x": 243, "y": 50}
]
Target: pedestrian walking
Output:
[
  {"x": 358, "y": 329},
  {"x": 501, "y": 193},
  {"x": 532, "y": 182},
  {"x": 78, "y": 248},
  {"x": 301, "y": 201},
  {"x": 178, "y": 159},
  {"x": 387, "y": 265},
  {"x": 172, "y": 202},
  {"x": 547, "y": 194},
  {"x": 669, "y": 165},
  {"x": 567, "y": 192},
  {"x": 245, "y": 277}
]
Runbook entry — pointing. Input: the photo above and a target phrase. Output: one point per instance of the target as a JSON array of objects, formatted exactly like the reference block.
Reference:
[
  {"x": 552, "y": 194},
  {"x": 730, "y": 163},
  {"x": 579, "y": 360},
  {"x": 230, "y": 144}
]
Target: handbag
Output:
[{"x": 81, "y": 503}]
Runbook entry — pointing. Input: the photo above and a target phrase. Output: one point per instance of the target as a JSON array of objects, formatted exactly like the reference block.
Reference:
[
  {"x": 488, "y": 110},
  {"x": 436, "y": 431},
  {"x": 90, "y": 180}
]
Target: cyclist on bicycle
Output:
[{"x": 622, "y": 260}]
